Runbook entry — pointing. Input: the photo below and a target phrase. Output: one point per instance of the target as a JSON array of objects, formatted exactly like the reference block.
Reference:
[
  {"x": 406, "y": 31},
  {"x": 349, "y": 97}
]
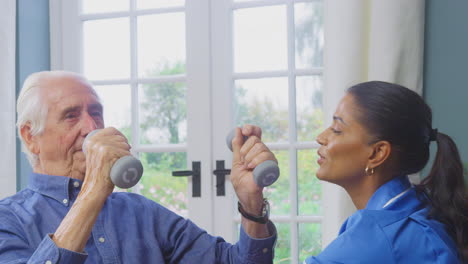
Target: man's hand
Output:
[
  {"x": 246, "y": 156},
  {"x": 102, "y": 150}
]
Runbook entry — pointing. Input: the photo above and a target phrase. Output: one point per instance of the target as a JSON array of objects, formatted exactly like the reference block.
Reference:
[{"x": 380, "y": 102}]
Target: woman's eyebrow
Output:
[{"x": 339, "y": 119}]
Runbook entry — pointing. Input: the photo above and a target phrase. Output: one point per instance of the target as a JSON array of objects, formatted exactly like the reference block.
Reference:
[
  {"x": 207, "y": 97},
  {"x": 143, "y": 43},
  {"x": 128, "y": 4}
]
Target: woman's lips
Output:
[{"x": 321, "y": 159}]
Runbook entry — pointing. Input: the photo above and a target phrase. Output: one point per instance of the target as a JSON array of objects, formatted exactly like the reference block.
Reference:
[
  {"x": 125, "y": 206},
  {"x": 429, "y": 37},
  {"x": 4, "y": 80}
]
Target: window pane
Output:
[
  {"x": 309, "y": 34},
  {"x": 163, "y": 113},
  {"x": 104, "y": 6},
  {"x": 158, "y": 183},
  {"x": 283, "y": 244},
  {"x": 260, "y": 39},
  {"x": 278, "y": 193},
  {"x": 149, "y": 4},
  {"x": 106, "y": 49},
  {"x": 309, "y": 107},
  {"x": 263, "y": 102},
  {"x": 117, "y": 107},
  {"x": 310, "y": 240},
  {"x": 309, "y": 188},
  {"x": 161, "y": 44}
]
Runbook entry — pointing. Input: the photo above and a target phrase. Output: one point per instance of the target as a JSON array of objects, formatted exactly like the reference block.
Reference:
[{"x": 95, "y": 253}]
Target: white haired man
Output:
[{"x": 69, "y": 212}]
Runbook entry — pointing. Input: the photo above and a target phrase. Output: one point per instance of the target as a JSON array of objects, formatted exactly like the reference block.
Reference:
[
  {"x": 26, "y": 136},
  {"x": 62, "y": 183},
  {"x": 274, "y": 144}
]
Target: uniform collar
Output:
[
  {"x": 59, "y": 188},
  {"x": 388, "y": 191}
]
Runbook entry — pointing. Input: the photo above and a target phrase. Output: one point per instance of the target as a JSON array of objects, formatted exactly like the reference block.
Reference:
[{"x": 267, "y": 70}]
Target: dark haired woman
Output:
[{"x": 380, "y": 133}]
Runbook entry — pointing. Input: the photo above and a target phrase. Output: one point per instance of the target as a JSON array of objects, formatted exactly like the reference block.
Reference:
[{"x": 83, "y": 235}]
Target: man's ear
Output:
[
  {"x": 380, "y": 153},
  {"x": 28, "y": 139}
]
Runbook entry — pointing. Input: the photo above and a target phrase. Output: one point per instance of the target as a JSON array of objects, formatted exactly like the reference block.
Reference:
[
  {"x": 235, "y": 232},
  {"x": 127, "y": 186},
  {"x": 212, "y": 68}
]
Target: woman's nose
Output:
[{"x": 321, "y": 138}]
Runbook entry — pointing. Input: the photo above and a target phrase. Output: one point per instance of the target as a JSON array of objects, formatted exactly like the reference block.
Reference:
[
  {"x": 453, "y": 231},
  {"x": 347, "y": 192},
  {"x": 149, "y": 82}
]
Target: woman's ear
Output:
[
  {"x": 28, "y": 139},
  {"x": 380, "y": 153}
]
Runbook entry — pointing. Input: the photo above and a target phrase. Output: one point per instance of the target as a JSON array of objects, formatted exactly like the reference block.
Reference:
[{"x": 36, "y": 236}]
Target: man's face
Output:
[{"x": 73, "y": 112}]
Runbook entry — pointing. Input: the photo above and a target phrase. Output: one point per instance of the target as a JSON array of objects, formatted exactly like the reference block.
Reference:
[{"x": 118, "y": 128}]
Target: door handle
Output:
[
  {"x": 220, "y": 174},
  {"x": 196, "y": 177}
]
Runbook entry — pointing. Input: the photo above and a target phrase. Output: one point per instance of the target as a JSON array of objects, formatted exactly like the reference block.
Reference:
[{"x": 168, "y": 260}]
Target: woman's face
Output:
[{"x": 345, "y": 147}]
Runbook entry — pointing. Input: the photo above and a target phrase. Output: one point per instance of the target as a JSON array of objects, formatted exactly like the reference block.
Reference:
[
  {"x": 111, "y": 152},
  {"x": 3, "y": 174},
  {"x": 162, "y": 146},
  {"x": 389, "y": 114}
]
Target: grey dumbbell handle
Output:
[
  {"x": 266, "y": 173},
  {"x": 126, "y": 171}
]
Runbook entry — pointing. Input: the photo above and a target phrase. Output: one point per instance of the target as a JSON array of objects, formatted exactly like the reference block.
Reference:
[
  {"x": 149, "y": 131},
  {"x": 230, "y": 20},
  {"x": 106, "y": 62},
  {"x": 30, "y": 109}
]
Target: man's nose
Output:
[{"x": 88, "y": 124}]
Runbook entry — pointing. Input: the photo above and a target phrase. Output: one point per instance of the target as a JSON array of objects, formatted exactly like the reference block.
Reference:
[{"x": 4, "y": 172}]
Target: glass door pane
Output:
[
  {"x": 161, "y": 44},
  {"x": 151, "y": 4},
  {"x": 117, "y": 107},
  {"x": 263, "y": 102},
  {"x": 104, "y": 6},
  {"x": 163, "y": 113},
  {"x": 260, "y": 39},
  {"x": 106, "y": 49},
  {"x": 159, "y": 185}
]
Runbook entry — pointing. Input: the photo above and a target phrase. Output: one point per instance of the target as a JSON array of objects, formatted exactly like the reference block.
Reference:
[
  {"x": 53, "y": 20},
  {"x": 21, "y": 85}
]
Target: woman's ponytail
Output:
[{"x": 447, "y": 192}]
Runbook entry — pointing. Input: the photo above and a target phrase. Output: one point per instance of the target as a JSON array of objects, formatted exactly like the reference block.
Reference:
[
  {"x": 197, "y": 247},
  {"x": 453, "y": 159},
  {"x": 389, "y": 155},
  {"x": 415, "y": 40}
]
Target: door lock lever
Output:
[{"x": 196, "y": 177}]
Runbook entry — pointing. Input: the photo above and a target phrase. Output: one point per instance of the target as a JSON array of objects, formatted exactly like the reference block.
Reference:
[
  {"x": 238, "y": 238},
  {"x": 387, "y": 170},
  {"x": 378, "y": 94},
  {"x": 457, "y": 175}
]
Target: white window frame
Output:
[{"x": 213, "y": 77}]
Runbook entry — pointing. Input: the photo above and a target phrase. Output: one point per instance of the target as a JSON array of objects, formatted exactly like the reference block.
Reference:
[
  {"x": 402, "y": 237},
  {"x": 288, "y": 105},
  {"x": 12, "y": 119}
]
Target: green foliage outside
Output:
[{"x": 164, "y": 108}]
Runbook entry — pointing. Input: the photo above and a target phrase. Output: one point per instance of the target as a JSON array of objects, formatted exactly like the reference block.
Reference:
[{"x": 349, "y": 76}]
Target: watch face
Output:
[{"x": 266, "y": 209}]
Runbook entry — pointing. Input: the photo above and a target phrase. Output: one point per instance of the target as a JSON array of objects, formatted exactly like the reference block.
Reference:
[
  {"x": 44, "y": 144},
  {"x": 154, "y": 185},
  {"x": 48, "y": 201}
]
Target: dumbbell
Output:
[
  {"x": 126, "y": 171},
  {"x": 266, "y": 173}
]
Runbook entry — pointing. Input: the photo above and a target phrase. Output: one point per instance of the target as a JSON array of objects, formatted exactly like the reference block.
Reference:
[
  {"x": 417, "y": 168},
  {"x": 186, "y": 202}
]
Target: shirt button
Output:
[
  {"x": 48, "y": 262},
  {"x": 102, "y": 239},
  {"x": 65, "y": 201},
  {"x": 76, "y": 184},
  {"x": 265, "y": 250}
]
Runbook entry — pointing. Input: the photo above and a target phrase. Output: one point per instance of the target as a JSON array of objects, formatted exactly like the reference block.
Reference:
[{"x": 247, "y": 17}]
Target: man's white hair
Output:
[{"x": 32, "y": 109}]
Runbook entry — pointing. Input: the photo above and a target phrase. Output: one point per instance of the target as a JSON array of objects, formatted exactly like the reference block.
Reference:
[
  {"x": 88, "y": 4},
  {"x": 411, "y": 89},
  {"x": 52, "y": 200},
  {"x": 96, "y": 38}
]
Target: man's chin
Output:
[{"x": 78, "y": 170}]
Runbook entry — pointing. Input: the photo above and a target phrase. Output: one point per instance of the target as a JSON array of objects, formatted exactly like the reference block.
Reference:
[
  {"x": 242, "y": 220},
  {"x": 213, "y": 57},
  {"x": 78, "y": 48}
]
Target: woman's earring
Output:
[{"x": 368, "y": 171}]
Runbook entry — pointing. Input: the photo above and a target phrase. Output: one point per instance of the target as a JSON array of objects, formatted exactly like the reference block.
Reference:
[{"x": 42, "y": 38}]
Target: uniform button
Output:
[
  {"x": 76, "y": 184},
  {"x": 65, "y": 201},
  {"x": 102, "y": 239},
  {"x": 48, "y": 262},
  {"x": 265, "y": 250}
]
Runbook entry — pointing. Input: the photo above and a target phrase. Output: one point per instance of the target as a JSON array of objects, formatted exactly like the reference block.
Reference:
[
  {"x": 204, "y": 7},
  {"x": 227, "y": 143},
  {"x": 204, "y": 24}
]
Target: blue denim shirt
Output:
[
  {"x": 129, "y": 229},
  {"x": 393, "y": 228}
]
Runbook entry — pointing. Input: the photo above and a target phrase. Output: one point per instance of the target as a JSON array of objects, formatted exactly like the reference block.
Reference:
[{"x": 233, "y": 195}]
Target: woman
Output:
[{"x": 380, "y": 133}]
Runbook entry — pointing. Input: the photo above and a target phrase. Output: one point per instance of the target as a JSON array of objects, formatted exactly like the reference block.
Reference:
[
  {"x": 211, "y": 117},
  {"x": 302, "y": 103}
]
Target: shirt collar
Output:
[
  {"x": 388, "y": 191},
  {"x": 58, "y": 188}
]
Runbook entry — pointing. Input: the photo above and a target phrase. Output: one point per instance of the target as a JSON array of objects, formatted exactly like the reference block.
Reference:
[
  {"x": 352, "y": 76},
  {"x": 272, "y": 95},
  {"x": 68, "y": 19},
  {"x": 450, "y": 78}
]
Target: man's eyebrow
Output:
[
  {"x": 69, "y": 110},
  {"x": 77, "y": 108},
  {"x": 339, "y": 119},
  {"x": 96, "y": 106}
]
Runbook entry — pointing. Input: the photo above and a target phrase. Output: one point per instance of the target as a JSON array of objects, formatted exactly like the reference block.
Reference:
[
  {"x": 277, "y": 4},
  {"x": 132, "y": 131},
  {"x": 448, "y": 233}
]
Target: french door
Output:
[{"x": 176, "y": 76}]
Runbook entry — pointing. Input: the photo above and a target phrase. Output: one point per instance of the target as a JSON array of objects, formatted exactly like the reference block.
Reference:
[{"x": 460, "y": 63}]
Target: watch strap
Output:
[{"x": 262, "y": 219}]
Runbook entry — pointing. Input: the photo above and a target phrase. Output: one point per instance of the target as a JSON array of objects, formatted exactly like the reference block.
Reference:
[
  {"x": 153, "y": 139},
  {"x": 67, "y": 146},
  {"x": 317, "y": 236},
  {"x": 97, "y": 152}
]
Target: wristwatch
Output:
[{"x": 262, "y": 219}]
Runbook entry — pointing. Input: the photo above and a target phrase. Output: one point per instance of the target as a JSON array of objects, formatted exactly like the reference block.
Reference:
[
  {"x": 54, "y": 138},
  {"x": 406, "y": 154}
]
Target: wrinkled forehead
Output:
[{"x": 64, "y": 87}]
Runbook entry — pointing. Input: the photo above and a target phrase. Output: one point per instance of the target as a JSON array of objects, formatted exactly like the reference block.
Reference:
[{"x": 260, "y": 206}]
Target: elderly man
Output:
[{"x": 69, "y": 214}]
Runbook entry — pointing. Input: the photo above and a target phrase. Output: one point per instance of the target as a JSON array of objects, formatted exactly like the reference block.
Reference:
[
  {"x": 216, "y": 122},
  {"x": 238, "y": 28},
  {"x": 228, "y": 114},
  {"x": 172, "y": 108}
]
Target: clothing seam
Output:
[
  {"x": 385, "y": 236},
  {"x": 420, "y": 227}
]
